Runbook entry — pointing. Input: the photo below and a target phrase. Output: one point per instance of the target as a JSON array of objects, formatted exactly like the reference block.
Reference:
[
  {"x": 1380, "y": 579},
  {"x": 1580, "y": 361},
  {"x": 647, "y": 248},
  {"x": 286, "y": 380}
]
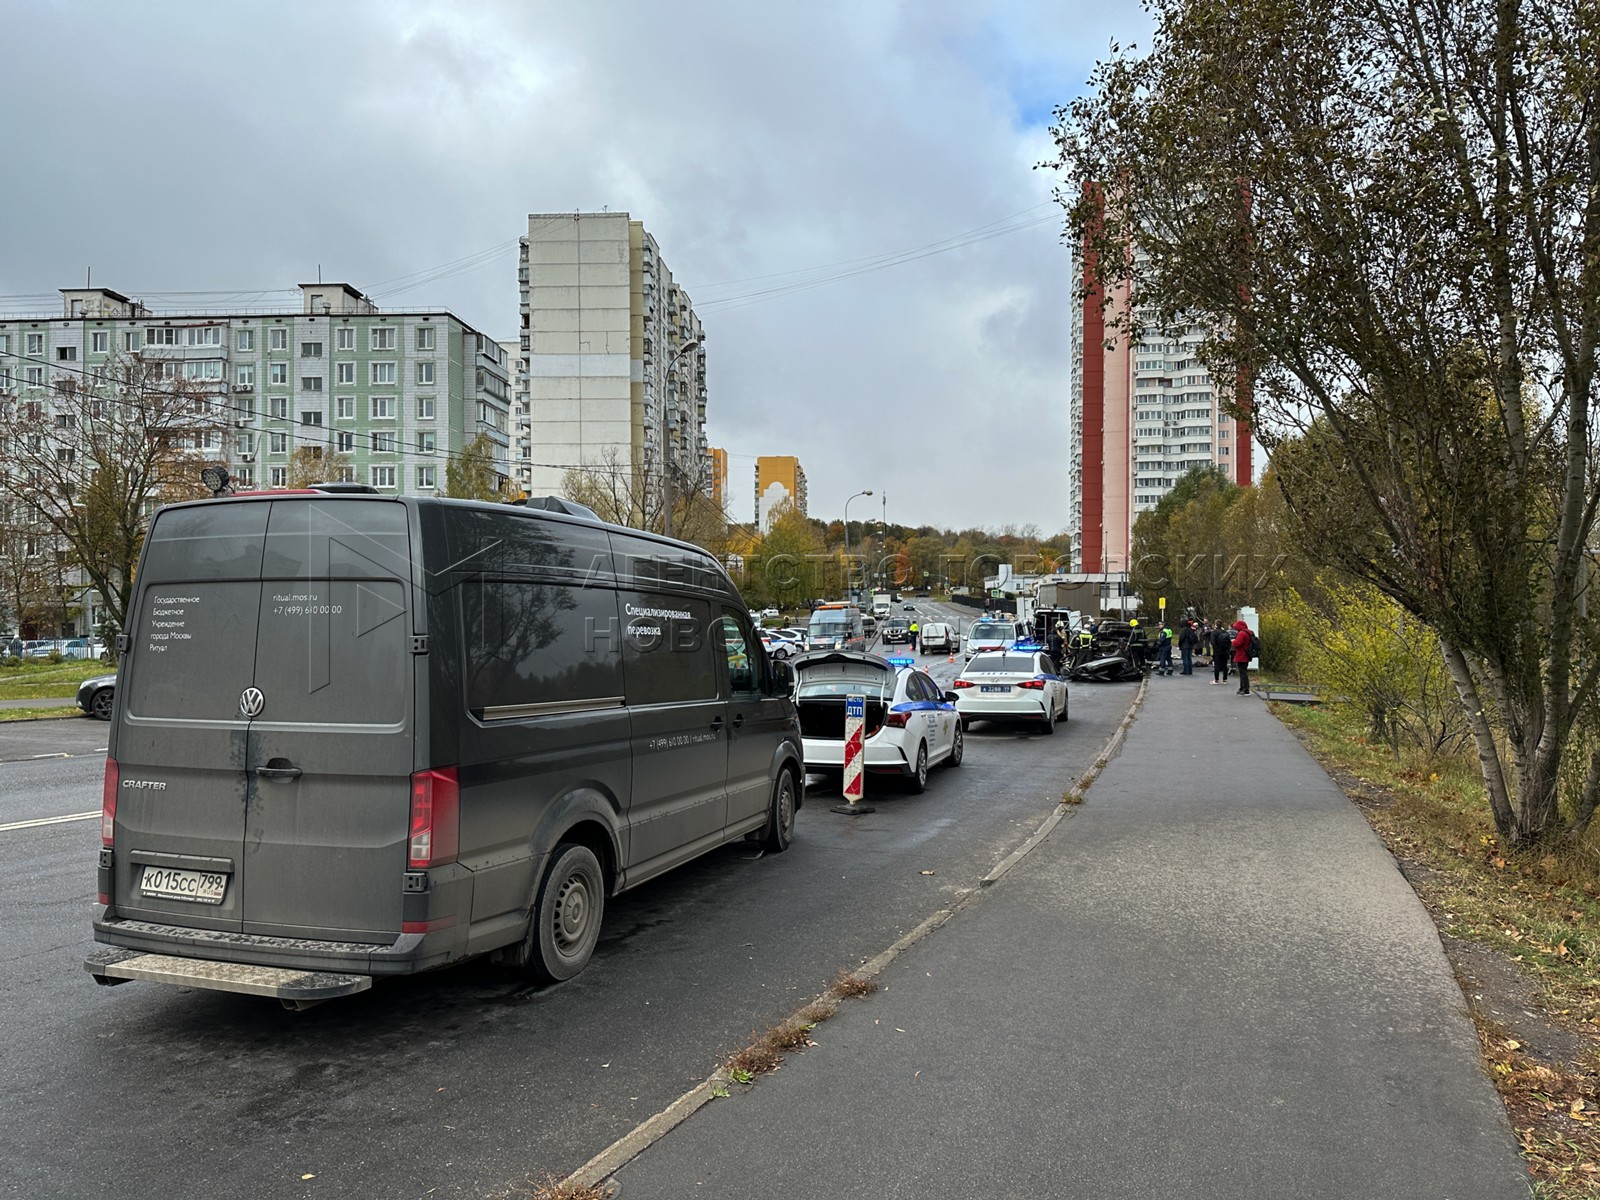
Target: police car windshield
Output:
[{"x": 993, "y": 630}]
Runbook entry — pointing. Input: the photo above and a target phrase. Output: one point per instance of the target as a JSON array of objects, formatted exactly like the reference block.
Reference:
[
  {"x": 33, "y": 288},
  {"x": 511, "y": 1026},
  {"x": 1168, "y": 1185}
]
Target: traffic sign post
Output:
[{"x": 855, "y": 720}]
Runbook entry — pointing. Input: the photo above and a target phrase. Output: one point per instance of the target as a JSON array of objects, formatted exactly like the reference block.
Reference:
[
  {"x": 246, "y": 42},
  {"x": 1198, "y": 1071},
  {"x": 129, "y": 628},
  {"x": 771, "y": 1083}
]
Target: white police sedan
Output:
[
  {"x": 1019, "y": 684},
  {"x": 911, "y": 722}
]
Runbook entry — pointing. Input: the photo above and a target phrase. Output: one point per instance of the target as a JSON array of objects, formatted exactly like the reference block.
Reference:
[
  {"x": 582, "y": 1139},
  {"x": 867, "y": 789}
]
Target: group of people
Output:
[{"x": 1231, "y": 647}]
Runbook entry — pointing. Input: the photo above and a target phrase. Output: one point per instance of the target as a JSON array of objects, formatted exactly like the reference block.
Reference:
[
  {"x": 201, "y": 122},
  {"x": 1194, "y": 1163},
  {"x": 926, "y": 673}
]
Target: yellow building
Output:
[
  {"x": 719, "y": 477},
  {"x": 780, "y": 483}
]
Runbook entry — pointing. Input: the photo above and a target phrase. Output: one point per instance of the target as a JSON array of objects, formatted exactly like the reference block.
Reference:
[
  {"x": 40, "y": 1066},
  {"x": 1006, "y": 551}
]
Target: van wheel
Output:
[
  {"x": 780, "y": 817},
  {"x": 919, "y": 773},
  {"x": 566, "y": 915}
]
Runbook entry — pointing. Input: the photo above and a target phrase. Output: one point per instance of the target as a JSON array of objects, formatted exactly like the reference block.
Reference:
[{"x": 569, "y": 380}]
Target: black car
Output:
[
  {"x": 96, "y": 696},
  {"x": 896, "y": 629}
]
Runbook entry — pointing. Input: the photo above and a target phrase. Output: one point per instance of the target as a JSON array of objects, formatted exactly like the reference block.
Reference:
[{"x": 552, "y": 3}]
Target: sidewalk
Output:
[
  {"x": 67, "y": 702},
  {"x": 1209, "y": 982}
]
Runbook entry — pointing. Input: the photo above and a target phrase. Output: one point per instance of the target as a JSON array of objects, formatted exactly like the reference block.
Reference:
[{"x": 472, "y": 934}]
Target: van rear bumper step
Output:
[{"x": 294, "y": 987}]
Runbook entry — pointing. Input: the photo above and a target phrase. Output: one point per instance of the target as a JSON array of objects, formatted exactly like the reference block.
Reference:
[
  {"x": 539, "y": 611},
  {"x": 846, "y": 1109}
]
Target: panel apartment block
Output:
[{"x": 603, "y": 348}]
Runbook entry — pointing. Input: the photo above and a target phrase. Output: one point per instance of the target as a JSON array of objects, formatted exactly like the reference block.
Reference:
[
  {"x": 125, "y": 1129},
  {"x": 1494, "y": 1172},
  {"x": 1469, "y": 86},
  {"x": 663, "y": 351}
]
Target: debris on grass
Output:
[
  {"x": 553, "y": 1188},
  {"x": 1072, "y": 796}
]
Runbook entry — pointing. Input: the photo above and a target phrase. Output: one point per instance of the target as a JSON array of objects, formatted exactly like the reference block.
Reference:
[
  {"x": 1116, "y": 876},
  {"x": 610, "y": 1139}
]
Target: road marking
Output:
[
  {"x": 87, "y": 816},
  {"x": 57, "y": 755}
]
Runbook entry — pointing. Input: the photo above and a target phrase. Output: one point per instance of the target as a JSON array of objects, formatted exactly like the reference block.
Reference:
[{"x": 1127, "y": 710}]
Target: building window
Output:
[
  {"x": 311, "y": 416},
  {"x": 244, "y": 375},
  {"x": 35, "y": 376},
  {"x": 99, "y": 341},
  {"x": 425, "y": 337},
  {"x": 425, "y": 477},
  {"x": 278, "y": 408},
  {"x": 245, "y": 477},
  {"x": 310, "y": 349},
  {"x": 246, "y": 339},
  {"x": 346, "y": 338},
  {"x": 203, "y": 368},
  {"x": 279, "y": 477},
  {"x": 380, "y": 337},
  {"x": 345, "y": 408},
  {"x": 277, "y": 339},
  {"x": 205, "y": 335},
  {"x": 426, "y": 442},
  {"x": 131, "y": 340},
  {"x": 245, "y": 410},
  {"x": 278, "y": 443},
  {"x": 345, "y": 475},
  {"x": 382, "y": 373},
  {"x": 425, "y": 373},
  {"x": 383, "y": 477},
  {"x": 344, "y": 442},
  {"x": 278, "y": 373},
  {"x": 311, "y": 383},
  {"x": 382, "y": 408},
  {"x": 166, "y": 335},
  {"x": 5, "y": 343},
  {"x": 35, "y": 343},
  {"x": 66, "y": 354},
  {"x": 424, "y": 408},
  {"x": 346, "y": 376},
  {"x": 241, "y": 444},
  {"x": 382, "y": 443}
]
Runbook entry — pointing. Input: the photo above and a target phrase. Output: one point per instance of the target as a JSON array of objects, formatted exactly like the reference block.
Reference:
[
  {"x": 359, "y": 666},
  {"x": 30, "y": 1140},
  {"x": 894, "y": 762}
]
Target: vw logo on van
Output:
[{"x": 252, "y": 702}]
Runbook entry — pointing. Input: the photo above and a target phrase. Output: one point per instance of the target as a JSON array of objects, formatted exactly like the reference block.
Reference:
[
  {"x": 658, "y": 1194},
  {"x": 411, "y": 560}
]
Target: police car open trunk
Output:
[{"x": 827, "y": 681}]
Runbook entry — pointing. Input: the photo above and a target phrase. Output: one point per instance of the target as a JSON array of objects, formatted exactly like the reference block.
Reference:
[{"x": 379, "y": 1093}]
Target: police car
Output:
[
  {"x": 1016, "y": 684},
  {"x": 910, "y": 721}
]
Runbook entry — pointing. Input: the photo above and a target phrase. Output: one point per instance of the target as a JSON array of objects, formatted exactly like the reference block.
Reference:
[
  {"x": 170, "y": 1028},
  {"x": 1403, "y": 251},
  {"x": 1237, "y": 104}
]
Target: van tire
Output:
[
  {"x": 565, "y": 923},
  {"x": 780, "y": 815}
]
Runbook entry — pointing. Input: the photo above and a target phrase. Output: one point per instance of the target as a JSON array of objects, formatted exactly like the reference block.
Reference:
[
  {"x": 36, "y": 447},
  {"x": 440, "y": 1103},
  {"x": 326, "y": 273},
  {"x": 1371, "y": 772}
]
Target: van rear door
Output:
[
  {"x": 330, "y": 748},
  {"x": 264, "y": 747}
]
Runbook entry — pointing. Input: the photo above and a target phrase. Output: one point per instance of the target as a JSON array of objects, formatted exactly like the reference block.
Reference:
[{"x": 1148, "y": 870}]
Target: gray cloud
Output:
[{"x": 182, "y": 146}]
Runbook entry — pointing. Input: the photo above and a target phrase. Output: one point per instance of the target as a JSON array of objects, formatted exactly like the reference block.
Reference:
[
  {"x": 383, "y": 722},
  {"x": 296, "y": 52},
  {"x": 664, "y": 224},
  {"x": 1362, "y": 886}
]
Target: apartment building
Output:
[
  {"x": 780, "y": 483},
  {"x": 397, "y": 394},
  {"x": 1142, "y": 413},
  {"x": 718, "y": 480},
  {"x": 612, "y": 353}
]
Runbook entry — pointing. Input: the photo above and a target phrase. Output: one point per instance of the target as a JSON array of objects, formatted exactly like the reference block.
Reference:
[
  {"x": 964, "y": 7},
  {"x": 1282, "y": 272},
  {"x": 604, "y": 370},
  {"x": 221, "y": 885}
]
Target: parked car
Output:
[
  {"x": 778, "y": 647},
  {"x": 937, "y": 637},
  {"x": 41, "y": 648},
  {"x": 316, "y": 765},
  {"x": 96, "y": 696},
  {"x": 1011, "y": 685},
  {"x": 771, "y": 612},
  {"x": 910, "y": 722}
]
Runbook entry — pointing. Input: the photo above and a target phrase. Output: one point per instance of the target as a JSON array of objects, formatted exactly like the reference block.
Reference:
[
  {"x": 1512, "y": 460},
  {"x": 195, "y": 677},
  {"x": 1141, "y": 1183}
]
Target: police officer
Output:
[
  {"x": 1164, "y": 650},
  {"x": 915, "y": 630}
]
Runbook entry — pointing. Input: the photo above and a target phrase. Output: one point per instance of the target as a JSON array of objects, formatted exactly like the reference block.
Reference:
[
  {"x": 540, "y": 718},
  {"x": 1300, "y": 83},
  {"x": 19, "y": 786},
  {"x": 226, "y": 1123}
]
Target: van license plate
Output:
[
  {"x": 996, "y": 687},
  {"x": 169, "y": 883}
]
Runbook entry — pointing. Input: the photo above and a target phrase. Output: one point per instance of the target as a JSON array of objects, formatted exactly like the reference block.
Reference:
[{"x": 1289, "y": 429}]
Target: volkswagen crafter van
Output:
[{"x": 358, "y": 735}]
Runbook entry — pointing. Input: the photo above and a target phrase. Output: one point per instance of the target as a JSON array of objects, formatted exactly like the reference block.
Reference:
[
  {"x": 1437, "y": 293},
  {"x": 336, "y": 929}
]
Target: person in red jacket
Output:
[{"x": 1241, "y": 655}]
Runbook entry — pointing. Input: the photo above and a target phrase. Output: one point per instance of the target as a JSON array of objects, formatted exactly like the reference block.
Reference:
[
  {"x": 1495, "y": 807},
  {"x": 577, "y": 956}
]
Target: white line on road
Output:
[
  {"x": 86, "y": 816},
  {"x": 49, "y": 756}
]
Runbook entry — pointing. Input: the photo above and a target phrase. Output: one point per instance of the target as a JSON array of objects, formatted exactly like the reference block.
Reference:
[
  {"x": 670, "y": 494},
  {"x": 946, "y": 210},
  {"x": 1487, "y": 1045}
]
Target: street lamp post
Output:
[
  {"x": 848, "y": 586},
  {"x": 666, "y": 465}
]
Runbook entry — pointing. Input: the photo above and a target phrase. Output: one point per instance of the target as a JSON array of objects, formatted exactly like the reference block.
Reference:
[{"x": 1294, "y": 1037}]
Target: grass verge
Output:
[
  {"x": 41, "y": 679},
  {"x": 1522, "y": 932},
  {"x": 29, "y": 714},
  {"x": 765, "y": 1051}
]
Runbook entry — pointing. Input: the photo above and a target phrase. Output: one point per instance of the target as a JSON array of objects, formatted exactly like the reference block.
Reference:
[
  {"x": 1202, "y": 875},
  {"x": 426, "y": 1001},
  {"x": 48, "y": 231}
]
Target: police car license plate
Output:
[
  {"x": 171, "y": 883},
  {"x": 995, "y": 687}
]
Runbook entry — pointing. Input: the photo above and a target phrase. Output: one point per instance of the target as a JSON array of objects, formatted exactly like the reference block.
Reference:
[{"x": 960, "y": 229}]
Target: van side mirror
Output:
[{"x": 782, "y": 678}]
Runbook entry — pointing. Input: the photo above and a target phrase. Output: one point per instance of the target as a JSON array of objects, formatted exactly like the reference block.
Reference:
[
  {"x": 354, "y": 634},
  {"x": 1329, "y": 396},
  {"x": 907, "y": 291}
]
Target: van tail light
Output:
[
  {"x": 896, "y": 720},
  {"x": 962, "y": 683},
  {"x": 108, "y": 803},
  {"x": 435, "y": 818},
  {"x": 1033, "y": 685}
]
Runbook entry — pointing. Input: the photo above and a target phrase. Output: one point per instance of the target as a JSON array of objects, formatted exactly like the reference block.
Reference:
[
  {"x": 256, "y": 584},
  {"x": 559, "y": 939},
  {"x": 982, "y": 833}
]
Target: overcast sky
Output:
[{"x": 208, "y": 146}]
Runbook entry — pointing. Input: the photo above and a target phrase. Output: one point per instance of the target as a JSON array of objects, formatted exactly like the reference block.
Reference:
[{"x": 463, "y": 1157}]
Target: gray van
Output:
[{"x": 358, "y": 735}]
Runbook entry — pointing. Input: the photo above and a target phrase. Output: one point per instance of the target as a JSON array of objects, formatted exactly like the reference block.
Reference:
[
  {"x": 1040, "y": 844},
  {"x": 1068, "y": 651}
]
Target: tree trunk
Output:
[{"x": 1494, "y": 776}]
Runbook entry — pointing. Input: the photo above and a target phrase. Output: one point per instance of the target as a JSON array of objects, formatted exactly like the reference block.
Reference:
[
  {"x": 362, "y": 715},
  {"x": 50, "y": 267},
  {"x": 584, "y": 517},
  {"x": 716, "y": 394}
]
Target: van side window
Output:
[
  {"x": 744, "y": 656},
  {"x": 668, "y": 654},
  {"x": 530, "y": 643}
]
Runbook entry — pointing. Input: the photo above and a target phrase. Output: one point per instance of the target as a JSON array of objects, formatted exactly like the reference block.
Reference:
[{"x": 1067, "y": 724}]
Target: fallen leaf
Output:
[
  {"x": 308, "y": 1177},
  {"x": 899, "y": 1030},
  {"x": 1562, "y": 950},
  {"x": 1498, "y": 863},
  {"x": 1513, "y": 1045},
  {"x": 927, "y": 872}
]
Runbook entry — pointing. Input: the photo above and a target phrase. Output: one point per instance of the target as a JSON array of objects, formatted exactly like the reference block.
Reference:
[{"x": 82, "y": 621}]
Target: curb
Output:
[
  {"x": 77, "y": 716},
  {"x": 635, "y": 1142}
]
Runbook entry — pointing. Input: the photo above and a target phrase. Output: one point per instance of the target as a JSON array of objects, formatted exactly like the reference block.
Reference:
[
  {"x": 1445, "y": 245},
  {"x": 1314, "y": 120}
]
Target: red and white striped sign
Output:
[{"x": 855, "y": 719}]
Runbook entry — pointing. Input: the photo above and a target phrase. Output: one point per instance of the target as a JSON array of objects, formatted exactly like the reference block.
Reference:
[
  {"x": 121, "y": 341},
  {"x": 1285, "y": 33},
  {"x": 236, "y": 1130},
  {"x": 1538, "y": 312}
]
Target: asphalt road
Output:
[{"x": 468, "y": 1080}]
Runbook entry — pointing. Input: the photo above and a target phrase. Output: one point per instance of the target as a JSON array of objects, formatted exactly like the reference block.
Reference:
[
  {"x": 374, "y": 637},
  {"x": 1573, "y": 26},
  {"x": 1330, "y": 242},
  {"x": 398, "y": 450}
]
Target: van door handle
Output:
[
  {"x": 716, "y": 723},
  {"x": 279, "y": 772},
  {"x": 738, "y": 720}
]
